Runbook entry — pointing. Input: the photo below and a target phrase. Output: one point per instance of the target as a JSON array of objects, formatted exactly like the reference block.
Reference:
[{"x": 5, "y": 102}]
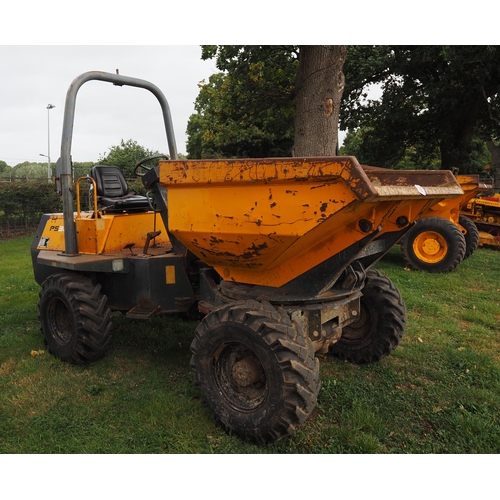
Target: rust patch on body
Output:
[{"x": 254, "y": 251}]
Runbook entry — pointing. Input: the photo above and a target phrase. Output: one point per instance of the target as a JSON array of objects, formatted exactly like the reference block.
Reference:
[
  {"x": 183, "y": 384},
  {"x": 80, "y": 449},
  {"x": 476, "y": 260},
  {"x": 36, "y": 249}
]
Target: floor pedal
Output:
[{"x": 142, "y": 312}]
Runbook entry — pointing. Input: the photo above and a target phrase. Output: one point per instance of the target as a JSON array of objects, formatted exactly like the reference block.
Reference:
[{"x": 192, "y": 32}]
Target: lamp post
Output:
[
  {"x": 49, "y": 107},
  {"x": 48, "y": 166}
]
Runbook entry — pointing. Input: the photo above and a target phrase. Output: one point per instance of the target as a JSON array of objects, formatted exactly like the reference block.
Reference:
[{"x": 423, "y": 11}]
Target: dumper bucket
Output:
[
  {"x": 267, "y": 221},
  {"x": 448, "y": 208}
]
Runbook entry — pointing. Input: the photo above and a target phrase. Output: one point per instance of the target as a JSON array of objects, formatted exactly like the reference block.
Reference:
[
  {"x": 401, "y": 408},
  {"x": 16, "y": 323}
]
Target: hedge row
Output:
[{"x": 23, "y": 203}]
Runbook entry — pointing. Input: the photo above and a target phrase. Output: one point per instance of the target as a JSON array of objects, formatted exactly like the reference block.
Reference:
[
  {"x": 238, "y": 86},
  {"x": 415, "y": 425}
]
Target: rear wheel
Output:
[
  {"x": 256, "y": 373},
  {"x": 381, "y": 324},
  {"x": 471, "y": 235},
  {"x": 74, "y": 317},
  {"x": 433, "y": 244}
]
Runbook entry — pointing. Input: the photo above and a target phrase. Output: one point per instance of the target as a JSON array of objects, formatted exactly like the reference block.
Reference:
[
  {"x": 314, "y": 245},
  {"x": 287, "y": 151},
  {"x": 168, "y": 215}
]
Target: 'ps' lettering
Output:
[{"x": 56, "y": 228}]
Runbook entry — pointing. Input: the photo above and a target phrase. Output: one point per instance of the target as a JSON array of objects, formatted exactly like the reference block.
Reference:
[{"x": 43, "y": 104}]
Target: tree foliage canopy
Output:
[
  {"x": 271, "y": 100},
  {"x": 434, "y": 99},
  {"x": 125, "y": 156},
  {"x": 28, "y": 170},
  {"x": 438, "y": 104},
  {"x": 246, "y": 109}
]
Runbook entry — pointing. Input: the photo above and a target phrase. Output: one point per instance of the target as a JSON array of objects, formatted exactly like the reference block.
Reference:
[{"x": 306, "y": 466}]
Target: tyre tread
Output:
[
  {"x": 447, "y": 229},
  {"x": 296, "y": 361},
  {"x": 391, "y": 330},
  {"x": 91, "y": 314},
  {"x": 471, "y": 237}
]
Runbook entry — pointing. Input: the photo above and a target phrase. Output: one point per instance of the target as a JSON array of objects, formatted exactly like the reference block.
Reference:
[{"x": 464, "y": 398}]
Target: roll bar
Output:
[{"x": 63, "y": 166}]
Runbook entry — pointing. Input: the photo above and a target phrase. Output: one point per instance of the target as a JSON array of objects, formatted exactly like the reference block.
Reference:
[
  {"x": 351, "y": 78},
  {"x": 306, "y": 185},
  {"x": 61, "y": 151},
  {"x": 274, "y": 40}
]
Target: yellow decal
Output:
[{"x": 170, "y": 275}]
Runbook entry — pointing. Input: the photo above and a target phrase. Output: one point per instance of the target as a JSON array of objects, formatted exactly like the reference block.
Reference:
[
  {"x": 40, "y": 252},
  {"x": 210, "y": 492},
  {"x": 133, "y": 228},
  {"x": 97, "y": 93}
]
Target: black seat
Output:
[{"x": 113, "y": 194}]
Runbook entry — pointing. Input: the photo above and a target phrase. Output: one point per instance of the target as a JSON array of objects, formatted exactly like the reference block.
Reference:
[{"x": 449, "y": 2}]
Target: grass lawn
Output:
[{"x": 439, "y": 392}]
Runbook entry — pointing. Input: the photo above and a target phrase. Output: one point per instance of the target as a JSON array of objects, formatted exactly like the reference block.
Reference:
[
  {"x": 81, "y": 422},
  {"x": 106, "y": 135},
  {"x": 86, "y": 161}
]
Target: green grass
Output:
[{"x": 439, "y": 392}]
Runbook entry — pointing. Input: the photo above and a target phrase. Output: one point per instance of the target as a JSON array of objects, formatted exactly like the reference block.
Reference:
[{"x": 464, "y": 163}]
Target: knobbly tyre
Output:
[{"x": 277, "y": 255}]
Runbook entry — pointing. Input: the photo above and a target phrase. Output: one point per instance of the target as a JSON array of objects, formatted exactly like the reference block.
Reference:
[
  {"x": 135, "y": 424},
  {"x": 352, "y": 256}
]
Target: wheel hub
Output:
[
  {"x": 430, "y": 247},
  {"x": 60, "y": 322},
  {"x": 246, "y": 372},
  {"x": 240, "y": 376}
]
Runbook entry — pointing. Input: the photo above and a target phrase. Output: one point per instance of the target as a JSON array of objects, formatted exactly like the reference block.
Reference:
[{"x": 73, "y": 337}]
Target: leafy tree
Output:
[
  {"x": 125, "y": 156},
  {"x": 29, "y": 171},
  {"x": 246, "y": 110},
  {"x": 435, "y": 98},
  {"x": 362, "y": 142},
  {"x": 197, "y": 145},
  {"x": 489, "y": 130},
  {"x": 268, "y": 101},
  {"x": 82, "y": 168},
  {"x": 3, "y": 166},
  {"x": 494, "y": 165}
]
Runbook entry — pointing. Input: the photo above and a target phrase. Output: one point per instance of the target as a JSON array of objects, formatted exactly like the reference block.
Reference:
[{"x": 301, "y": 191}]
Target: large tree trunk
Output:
[{"x": 318, "y": 90}]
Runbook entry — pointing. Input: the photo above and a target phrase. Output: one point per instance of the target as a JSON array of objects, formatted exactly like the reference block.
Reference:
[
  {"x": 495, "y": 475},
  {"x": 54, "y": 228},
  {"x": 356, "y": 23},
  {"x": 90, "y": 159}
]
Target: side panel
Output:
[
  {"x": 107, "y": 234},
  {"x": 42, "y": 272},
  {"x": 153, "y": 285},
  {"x": 116, "y": 232}
]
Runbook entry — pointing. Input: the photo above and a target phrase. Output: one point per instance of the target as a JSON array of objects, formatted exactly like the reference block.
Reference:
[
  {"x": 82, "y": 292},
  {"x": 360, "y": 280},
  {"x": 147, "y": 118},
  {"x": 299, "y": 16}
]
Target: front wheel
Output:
[
  {"x": 74, "y": 317},
  {"x": 381, "y": 324},
  {"x": 433, "y": 244},
  {"x": 256, "y": 373}
]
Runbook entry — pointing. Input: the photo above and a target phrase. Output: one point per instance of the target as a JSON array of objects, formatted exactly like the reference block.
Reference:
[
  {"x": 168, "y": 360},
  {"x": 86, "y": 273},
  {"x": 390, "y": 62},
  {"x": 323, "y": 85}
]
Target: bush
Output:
[{"x": 23, "y": 203}]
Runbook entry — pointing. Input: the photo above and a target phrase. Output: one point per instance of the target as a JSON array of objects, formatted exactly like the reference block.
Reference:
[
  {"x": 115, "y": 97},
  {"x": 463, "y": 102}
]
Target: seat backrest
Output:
[{"x": 110, "y": 181}]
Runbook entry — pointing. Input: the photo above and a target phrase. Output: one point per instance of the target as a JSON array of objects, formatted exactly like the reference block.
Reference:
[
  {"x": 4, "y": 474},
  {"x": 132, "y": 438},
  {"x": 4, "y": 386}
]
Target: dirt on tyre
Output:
[
  {"x": 433, "y": 244},
  {"x": 471, "y": 235},
  {"x": 256, "y": 373},
  {"x": 381, "y": 324},
  {"x": 74, "y": 317}
]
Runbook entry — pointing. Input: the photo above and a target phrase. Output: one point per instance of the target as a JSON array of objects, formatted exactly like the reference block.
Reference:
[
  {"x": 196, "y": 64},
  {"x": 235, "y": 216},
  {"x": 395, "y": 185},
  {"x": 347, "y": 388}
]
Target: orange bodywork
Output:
[
  {"x": 485, "y": 212},
  {"x": 100, "y": 234},
  {"x": 107, "y": 234},
  {"x": 267, "y": 221},
  {"x": 448, "y": 208},
  {"x": 471, "y": 185}
]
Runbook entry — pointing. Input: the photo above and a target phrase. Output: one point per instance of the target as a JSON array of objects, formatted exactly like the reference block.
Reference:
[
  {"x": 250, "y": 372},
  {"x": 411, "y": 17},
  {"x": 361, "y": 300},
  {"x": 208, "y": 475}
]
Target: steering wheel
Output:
[{"x": 141, "y": 163}]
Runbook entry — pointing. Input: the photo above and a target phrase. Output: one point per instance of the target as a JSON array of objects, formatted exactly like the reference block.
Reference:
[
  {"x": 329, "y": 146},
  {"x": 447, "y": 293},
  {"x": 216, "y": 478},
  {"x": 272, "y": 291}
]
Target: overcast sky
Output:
[{"x": 34, "y": 76}]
